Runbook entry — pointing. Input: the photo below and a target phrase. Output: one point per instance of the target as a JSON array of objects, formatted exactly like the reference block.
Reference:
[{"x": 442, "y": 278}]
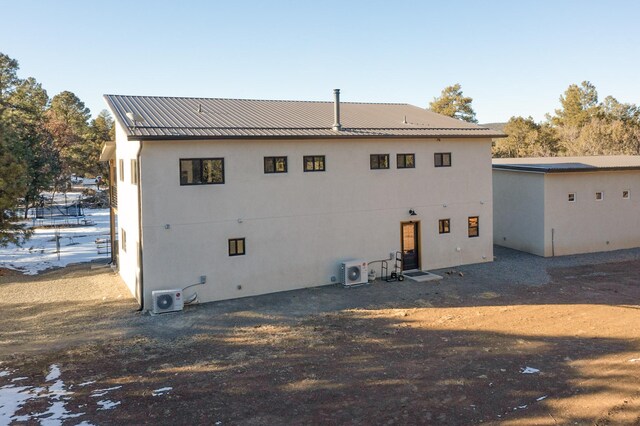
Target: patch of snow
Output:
[
  {"x": 77, "y": 244},
  {"x": 85, "y": 423},
  {"x": 107, "y": 404},
  {"x": 12, "y": 398},
  {"x": 87, "y": 383},
  {"x": 4, "y": 373},
  {"x": 54, "y": 373},
  {"x": 529, "y": 370},
  {"x": 102, "y": 392},
  {"x": 161, "y": 391},
  {"x": 19, "y": 378},
  {"x": 541, "y": 398}
]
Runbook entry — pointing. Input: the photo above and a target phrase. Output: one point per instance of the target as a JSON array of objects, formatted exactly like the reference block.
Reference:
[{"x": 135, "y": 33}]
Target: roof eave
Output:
[{"x": 547, "y": 170}]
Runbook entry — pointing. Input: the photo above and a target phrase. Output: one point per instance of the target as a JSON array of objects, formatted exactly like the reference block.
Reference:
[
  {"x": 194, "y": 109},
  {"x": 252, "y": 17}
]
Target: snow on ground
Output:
[{"x": 77, "y": 244}]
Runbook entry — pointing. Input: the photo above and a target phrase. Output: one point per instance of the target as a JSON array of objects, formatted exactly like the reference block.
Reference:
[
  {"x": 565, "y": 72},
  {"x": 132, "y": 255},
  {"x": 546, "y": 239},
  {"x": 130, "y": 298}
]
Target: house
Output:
[
  {"x": 567, "y": 205},
  {"x": 258, "y": 196}
]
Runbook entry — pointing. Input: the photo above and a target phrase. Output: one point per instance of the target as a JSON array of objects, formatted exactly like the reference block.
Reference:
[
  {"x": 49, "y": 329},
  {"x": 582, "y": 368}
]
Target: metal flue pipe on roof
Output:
[{"x": 336, "y": 110}]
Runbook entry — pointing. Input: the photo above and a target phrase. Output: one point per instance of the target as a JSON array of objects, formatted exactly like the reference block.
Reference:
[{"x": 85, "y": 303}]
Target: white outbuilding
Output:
[
  {"x": 567, "y": 205},
  {"x": 244, "y": 197}
]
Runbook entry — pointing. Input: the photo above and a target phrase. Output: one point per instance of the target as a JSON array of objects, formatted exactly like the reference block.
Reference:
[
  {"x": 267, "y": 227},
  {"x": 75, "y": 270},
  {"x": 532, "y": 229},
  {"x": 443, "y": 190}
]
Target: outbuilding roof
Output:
[
  {"x": 156, "y": 117},
  {"x": 569, "y": 164}
]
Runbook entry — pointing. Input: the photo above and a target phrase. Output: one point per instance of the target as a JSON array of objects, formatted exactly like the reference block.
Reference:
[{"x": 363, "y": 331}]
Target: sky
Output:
[{"x": 514, "y": 58}]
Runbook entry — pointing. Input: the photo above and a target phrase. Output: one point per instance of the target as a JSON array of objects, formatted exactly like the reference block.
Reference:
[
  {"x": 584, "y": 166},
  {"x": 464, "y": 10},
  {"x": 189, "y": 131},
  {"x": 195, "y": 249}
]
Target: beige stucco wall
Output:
[
  {"x": 298, "y": 226},
  {"x": 518, "y": 210},
  {"x": 127, "y": 211},
  {"x": 588, "y": 225}
]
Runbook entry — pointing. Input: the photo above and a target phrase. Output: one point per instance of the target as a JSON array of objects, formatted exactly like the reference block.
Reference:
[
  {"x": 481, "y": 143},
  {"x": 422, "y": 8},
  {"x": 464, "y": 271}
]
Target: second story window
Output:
[
  {"x": 442, "y": 159},
  {"x": 275, "y": 164},
  {"x": 121, "y": 170},
  {"x": 134, "y": 172},
  {"x": 474, "y": 226},
  {"x": 313, "y": 163},
  {"x": 444, "y": 226},
  {"x": 201, "y": 171},
  {"x": 406, "y": 161},
  {"x": 379, "y": 161}
]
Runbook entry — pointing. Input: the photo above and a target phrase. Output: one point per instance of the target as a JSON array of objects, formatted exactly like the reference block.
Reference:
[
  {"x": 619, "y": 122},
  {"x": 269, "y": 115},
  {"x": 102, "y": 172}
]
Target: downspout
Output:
[{"x": 140, "y": 263}]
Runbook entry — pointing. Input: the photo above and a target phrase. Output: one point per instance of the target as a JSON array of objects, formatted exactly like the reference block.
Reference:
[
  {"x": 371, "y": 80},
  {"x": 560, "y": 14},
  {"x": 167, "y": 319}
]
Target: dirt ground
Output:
[{"x": 467, "y": 350}]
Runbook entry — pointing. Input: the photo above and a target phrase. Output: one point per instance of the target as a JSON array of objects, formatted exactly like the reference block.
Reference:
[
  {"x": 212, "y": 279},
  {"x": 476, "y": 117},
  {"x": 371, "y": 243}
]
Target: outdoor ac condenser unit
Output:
[
  {"x": 167, "y": 301},
  {"x": 354, "y": 272}
]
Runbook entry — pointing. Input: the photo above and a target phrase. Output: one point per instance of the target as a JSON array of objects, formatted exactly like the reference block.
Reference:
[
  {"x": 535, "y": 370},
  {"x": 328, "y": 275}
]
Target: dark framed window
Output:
[
  {"x": 275, "y": 164},
  {"x": 571, "y": 197},
  {"x": 236, "y": 247},
  {"x": 626, "y": 194},
  {"x": 134, "y": 171},
  {"x": 201, "y": 171},
  {"x": 123, "y": 240},
  {"x": 474, "y": 226},
  {"x": 121, "y": 170},
  {"x": 406, "y": 161},
  {"x": 313, "y": 163},
  {"x": 379, "y": 161},
  {"x": 444, "y": 226},
  {"x": 599, "y": 196},
  {"x": 442, "y": 159}
]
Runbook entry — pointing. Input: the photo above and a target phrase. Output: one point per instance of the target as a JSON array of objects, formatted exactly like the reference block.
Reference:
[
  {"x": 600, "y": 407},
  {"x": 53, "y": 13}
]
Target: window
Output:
[
  {"x": 406, "y": 161},
  {"x": 313, "y": 163},
  {"x": 379, "y": 161},
  {"x": 444, "y": 226},
  {"x": 123, "y": 239},
  {"x": 201, "y": 171},
  {"x": 134, "y": 172},
  {"x": 625, "y": 194},
  {"x": 121, "y": 169},
  {"x": 599, "y": 196},
  {"x": 275, "y": 164},
  {"x": 572, "y": 197},
  {"x": 442, "y": 159},
  {"x": 236, "y": 247},
  {"x": 474, "y": 226}
]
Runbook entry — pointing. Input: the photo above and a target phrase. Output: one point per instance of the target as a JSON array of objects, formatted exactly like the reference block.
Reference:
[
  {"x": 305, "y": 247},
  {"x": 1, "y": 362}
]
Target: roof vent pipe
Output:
[{"x": 336, "y": 110}]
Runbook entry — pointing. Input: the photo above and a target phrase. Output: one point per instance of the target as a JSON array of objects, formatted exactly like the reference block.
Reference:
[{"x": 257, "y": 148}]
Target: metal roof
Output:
[
  {"x": 569, "y": 164},
  {"x": 204, "y": 118}
]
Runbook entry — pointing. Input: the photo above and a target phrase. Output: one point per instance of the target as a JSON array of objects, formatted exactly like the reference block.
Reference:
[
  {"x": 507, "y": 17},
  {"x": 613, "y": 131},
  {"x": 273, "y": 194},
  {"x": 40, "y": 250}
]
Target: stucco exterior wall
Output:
[
  {"x": 127, "y": 211},
  {"x": 589, "y": 225},
  {"x": 518, "y": 210},
  {"x": 298, "y": 226}
]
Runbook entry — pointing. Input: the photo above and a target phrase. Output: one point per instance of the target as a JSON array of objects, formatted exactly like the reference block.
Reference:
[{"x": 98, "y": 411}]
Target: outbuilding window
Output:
[
  {"x": 571, "y": 197},
  {"x": 406, "y": 161},
  {"x": 474, "y": 226},
  {"x": 626, "y": 194},
  {"x": 442, "y": 159},
  {"x": 236, "y": 247},
  {"x": 275, "y": 164},
  {"x": 379, "y": 161},
  {"x": 444, "y": 226},
  {"x": 599, "y": 196},
  {"x": 313, "y": 163},
  {"x": 201, "y": 171}
]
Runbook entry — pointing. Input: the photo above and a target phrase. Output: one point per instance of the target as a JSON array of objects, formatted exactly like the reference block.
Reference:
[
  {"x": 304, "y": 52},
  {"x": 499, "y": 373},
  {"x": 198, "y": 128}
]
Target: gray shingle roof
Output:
[
  {"x": 202, "y": 118},
  {"x": 569, "y": 164}
]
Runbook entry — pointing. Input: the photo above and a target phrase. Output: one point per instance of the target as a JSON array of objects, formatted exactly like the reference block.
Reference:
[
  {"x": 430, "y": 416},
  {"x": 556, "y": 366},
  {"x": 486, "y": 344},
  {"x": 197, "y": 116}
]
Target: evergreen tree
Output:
[{"x": 453, "y": 103}]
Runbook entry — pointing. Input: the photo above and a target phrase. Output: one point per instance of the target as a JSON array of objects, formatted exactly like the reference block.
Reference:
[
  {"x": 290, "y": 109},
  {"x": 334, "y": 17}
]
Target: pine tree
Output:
[{"x": 453, "y": 103}]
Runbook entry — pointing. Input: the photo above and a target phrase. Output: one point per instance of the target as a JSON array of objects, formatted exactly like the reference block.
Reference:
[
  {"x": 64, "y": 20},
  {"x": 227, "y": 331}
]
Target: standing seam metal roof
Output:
[{"x": 202, "y": 118}]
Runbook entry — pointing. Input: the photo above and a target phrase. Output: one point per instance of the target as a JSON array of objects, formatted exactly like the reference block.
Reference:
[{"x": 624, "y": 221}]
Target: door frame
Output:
[{"x": 417, "y": 242}]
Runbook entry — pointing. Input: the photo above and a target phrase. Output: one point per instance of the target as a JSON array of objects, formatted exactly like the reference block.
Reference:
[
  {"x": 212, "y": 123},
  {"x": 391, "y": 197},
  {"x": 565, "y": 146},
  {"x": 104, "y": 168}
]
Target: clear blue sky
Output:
[{"x": 511, "y": 57}]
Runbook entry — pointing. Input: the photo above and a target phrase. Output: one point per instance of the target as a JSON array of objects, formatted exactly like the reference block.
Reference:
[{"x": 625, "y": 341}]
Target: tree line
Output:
[
  {"x": 43, "y": 143},
  {"x": 581, "y": 126}
]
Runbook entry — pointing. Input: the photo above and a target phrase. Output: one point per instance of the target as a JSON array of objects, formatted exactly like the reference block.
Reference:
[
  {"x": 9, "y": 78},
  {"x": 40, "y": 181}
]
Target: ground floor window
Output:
[
  {"x": 474, "y": 226},
  {"x": 444, "y": 226},
  {"x": 236, "y": 247}
]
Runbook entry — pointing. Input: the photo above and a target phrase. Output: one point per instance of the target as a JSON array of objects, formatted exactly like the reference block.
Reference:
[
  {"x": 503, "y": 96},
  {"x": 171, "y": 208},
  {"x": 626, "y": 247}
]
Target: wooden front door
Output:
[{"x": 410, "y": 245}]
